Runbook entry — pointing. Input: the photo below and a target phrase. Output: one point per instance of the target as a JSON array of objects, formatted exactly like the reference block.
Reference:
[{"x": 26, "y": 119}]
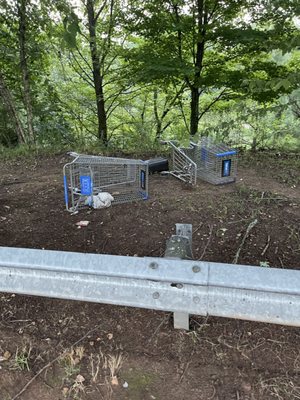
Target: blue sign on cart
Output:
[
  {"x": 143, "y": 180},
  {"x": 226, "y": 167},
  {"x": 86, "y": 185}
]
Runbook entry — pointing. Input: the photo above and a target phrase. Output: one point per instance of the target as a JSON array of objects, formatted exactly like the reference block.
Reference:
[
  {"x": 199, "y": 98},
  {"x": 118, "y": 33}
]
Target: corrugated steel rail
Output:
[{"x": 181, "y": 286}]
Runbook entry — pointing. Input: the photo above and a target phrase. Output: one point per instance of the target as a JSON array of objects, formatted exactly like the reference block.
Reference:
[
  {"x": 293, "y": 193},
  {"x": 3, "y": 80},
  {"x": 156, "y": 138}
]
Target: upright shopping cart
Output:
[{"x": 87, "y": 176}]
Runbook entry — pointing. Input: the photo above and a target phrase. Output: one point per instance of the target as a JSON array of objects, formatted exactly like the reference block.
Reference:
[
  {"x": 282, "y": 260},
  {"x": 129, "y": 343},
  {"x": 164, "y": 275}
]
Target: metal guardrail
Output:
[{"x": 181, "y": 286}]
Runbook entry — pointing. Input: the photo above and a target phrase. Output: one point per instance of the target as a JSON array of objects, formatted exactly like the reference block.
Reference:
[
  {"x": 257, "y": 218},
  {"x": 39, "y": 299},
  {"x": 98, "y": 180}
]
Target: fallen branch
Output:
[
  {"x": 51, "y": 363},
  {"x": 250, "y": 226}
]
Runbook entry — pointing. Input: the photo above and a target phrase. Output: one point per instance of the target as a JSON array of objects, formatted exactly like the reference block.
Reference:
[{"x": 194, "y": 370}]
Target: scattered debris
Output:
[
  {"x": 6, "y": 356},
  {"x": 82, "y": 223},
  {"x": 125, "y": 385},
  {"x": 114, "y": 381},
  {"x": 80, "y": 378},
  {"x": 101, "y": 200}
]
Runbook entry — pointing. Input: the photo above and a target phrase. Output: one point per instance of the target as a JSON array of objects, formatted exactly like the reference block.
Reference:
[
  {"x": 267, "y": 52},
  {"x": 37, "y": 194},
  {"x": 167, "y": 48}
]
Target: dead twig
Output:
[
  {"x": 207, "y": 243},
  {"x": 250, "y": 226},
  {"x": 104, "y": 245},
  {"x": 198, "y": 227},
  {"x": 187, "y": 365},
  {"x": 165, "y": 319},
  {"x": 239, "y": 220},
  {"x": 267, "y": 246},
  {"x": 213, "y": 395},
  {"x": 51, "y": 363},
  {"x": 281, "y": 263}
]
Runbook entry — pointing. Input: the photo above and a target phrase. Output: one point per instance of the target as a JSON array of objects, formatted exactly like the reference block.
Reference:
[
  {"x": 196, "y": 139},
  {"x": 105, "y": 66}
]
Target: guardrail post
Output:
[{"x": 179, "y": 246}]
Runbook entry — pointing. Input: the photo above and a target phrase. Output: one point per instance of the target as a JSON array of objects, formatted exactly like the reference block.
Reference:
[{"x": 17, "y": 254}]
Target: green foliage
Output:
[
  {"x": 247, "y": 78},
  {"x": 250, "y": 125},
  {"x": 71, "y": 29}
]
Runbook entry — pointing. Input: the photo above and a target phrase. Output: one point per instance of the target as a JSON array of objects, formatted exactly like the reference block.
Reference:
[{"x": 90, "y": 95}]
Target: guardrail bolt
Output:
[
  {"x": 153, "y": 265},
  {"x": 196, "y": 268},
  {"x": 155, "y": 295},
  {"x": 196, "y": 299}
]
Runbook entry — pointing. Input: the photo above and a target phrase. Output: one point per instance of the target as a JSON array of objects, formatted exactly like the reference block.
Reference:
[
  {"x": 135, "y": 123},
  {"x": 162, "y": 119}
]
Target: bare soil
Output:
[{"x": 79, "y": 347}]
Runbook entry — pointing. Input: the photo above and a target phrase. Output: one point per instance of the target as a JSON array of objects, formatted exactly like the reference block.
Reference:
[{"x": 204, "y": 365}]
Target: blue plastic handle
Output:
[{"x": 66, "y": 190}]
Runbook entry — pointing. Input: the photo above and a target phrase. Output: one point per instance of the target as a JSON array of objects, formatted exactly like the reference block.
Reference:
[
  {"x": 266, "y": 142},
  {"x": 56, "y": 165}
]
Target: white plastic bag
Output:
[{"x": 101, "y": 200}]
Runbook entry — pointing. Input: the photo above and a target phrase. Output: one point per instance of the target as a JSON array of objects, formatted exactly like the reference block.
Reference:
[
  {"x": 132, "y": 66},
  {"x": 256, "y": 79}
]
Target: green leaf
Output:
[{"x": 70, "y": 39}]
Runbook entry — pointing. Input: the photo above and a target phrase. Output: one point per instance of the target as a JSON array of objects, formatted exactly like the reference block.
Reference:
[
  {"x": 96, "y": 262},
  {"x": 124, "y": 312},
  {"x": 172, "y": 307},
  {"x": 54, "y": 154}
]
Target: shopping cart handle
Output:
[{"x": 72, "y": 154}]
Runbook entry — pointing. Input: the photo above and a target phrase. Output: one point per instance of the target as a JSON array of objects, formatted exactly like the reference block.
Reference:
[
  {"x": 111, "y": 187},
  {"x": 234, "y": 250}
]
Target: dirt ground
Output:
[{"x": 92, "y": 351}]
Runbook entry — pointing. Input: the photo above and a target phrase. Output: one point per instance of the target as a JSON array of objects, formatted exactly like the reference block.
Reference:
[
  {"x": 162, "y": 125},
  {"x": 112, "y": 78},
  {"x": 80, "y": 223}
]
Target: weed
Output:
[
  {"x": 110, "y": 363},
  {"x": 222, "y": 212},
  {"x": 284, "y": 166},
  {"x": 77, "y": 387},
  {"x": 114, "y": 364},
  {"x": 95, "y": 362},
  {"x": 294, "y": 234},
  {"x": 71, "y": 360},
  {"x": 199, "y": 328},
  {"x": 194, "y": 336},
  {"x": 21, "y": 358},
  {"x": 297, "y": 363},
  {"x": 280, "y": 388},
  {"x": 264, "y": 264}
]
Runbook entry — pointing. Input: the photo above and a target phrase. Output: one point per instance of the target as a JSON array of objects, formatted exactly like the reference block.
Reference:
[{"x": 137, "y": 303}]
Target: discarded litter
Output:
[
  {"x": 6, "y": 356},
  {"x": 101, "y": 200},
  {"x": 82, "y": 223},
  {"x": 114, "y": 381}
]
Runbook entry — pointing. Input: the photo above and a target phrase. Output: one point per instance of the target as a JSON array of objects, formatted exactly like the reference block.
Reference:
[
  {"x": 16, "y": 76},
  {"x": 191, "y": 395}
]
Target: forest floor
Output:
[{"x": 217, "y": 359}]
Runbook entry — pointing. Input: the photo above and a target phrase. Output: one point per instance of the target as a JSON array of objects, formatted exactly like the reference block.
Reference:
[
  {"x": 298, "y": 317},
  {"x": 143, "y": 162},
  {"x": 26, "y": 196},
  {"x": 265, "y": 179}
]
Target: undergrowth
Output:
[{"x": 33, "y": 152}]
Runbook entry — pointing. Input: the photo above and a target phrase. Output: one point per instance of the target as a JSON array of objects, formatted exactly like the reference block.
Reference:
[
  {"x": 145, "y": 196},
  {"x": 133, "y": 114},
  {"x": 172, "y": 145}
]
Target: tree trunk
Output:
[
  {"x": 97, "y": 78},
  {"x": 254, "y": 144},
  {"x": 158, "y": 121},
  {"x": 24, "y": 69},
  {"x": 195, "y": 87},
  {"x": 11, "y": 109},
  {"x": 194, "y": 120}
]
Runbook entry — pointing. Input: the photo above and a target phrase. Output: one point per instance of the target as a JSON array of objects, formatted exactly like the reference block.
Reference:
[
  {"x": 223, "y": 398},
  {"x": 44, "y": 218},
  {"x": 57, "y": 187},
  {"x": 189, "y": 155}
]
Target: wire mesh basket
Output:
[
  {"x": 214, "y": 163},
  {"x": 85, "y": 176}
]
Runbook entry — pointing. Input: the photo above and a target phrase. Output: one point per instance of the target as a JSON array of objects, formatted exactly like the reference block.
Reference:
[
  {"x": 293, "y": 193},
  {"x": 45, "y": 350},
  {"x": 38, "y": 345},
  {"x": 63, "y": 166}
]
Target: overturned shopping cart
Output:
[
  {"x": 86, "y": 176},
  {"x": 214, "y": 163}
]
